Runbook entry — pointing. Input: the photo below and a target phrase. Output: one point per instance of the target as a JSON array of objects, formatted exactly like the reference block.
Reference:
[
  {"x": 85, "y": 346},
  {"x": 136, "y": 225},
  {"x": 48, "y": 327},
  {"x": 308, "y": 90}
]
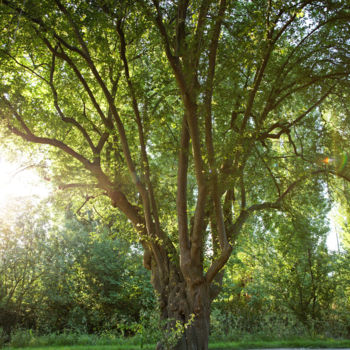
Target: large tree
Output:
[{"x": 190, "y": 116}]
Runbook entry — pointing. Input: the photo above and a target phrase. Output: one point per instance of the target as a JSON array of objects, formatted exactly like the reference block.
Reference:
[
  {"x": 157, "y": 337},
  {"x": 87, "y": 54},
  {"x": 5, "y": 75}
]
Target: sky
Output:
[{"x": 333, "y": 239}]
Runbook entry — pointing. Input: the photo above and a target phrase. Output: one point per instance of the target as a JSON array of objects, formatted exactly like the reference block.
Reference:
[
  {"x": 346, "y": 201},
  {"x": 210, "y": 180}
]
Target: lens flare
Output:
[
  {"x": 342, "y": 163},
  {"x": 339, "y": 162}
]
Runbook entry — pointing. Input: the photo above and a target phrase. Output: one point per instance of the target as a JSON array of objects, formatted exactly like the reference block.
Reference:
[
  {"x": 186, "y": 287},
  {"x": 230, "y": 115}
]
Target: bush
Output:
[
  {"x": 21, "y": 338},
  {"x": 264, "y": 326},
  {"x": 3, "y": 337}
]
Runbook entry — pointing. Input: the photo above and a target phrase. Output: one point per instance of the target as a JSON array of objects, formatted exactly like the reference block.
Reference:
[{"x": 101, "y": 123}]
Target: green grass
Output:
[
  {"x": 89, "y": 347},
  {"x": 295, "y": 343}
]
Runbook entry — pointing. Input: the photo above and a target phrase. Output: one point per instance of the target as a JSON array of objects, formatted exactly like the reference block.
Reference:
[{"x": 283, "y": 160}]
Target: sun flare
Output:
[{"x": 19, "y": 181}]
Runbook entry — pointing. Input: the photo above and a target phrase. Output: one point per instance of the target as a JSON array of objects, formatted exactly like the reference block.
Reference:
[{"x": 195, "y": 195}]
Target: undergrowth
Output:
[{"x": 74, "y": 341}]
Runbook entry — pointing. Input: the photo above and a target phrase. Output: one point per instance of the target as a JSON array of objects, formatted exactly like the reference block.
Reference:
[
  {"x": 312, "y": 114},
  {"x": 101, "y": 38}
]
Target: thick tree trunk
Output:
[{"x": 185, "y": 310}]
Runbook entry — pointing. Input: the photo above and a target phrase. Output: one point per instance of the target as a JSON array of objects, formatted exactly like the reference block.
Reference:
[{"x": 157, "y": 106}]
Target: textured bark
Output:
[{"x": 184, "y": 302}]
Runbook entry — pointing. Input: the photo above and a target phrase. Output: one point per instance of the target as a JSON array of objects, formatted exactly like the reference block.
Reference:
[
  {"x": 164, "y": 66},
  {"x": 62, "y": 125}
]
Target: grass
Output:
[
  {"x": 294, "y": 343},
  {"x": 89, "y": 347}
]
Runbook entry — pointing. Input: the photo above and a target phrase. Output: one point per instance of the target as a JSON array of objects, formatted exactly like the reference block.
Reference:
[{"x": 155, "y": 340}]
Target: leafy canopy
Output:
[{"x": 190, "y": 117}]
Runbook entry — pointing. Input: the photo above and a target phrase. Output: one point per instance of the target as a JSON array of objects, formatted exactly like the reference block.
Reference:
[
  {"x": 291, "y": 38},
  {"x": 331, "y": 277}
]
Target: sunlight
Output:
[
  {"x": 334, "y": 235},
  {"x": 18, "y": 181}
]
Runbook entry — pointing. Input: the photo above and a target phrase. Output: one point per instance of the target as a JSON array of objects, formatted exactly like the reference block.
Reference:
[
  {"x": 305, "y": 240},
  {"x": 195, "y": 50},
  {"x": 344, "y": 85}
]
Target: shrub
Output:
[
  {"x": 21, "y": 338},
  {"x": 3, "y": 337}
]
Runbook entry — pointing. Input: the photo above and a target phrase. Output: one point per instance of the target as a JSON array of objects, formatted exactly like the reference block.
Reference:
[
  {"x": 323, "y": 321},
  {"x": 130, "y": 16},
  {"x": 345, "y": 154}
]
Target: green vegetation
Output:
[
  {"x": 296, "y": 343},
  {"x": 207, "y": 138},
  {"x": 68, "y": 275},
  {"x": 106, "y": 342},
  {"x": 84, "y": 286}
]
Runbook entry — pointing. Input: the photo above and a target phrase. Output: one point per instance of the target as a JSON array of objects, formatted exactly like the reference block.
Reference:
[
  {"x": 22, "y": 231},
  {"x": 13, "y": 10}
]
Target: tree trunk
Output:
[{"x": 184, "y": 308}]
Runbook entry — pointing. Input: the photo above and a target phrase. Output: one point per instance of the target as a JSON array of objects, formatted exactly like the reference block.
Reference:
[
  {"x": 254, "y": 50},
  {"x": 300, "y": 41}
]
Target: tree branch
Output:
[
  {"x": 148, "y": 197},
  {"x": 213, "y": 47},
  {"x": 61, "y": 54},
  {"x": 62, "y": 186},
  {"x": 181, "y": 27},
  {"x": 269, "y": 171},
  {"x": 220, "y": 262},
  {"x": 118, "y": 198},
  {"x": 60, "y": 112},
  {"x": 271, "y": 41},
  {"x": 285, "y": 127},
  {"x": 181, "y": 196}
]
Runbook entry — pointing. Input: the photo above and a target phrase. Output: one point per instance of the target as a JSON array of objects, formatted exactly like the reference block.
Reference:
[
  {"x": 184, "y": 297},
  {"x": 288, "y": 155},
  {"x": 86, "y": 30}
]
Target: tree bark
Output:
[{"x": 184, "y": 310}]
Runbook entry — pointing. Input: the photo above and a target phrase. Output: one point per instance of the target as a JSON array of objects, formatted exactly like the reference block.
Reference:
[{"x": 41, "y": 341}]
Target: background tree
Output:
[
  {"x": 22, "y": 263},
  {"x": 60, "y": 274},
  {"x": 191, "y": 117},
  {"x": 93, "y": 283},
  {"x": 282, "y": 277}
]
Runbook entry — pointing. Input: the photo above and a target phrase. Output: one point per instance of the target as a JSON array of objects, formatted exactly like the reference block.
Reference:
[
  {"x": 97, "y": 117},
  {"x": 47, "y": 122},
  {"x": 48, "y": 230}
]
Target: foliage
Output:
[
  {"x": 66, "y": 275},
  {"x": 95, "y": 283},
  {"x": 22, "y": 263},
  {"x": 126, "y": 344},
  {"x": 282, "y": 280},
  {"x": 196, "y": 120},
  {"x": 173, "y": 334}
]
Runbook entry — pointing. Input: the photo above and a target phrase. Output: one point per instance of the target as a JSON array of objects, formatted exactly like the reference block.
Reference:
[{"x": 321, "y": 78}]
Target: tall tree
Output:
[
  {"x": 290, "y": 266},
  {"x": 190, "y": 116}
]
